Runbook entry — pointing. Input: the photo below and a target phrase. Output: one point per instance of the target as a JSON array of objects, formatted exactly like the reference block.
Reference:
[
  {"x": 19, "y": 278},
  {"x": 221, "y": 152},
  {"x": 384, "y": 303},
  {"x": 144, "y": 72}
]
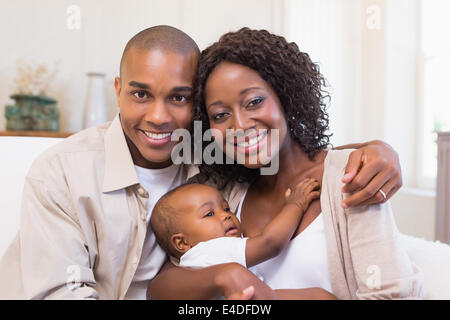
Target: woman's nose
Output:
[{"x": 242, "y": 121}]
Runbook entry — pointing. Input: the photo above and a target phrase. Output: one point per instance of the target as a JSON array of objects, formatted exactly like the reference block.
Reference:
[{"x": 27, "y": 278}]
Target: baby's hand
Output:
[{"x": 303, "y": 193}]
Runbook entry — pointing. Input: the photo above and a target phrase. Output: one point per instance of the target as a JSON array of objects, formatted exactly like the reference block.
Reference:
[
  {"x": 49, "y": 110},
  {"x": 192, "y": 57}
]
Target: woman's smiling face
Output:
[{"x": 237, "y": 98}]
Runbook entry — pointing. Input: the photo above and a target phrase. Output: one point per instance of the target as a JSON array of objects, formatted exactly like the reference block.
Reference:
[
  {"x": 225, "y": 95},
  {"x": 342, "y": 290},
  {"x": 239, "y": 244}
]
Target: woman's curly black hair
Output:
[{"x": 294, "y": 77}]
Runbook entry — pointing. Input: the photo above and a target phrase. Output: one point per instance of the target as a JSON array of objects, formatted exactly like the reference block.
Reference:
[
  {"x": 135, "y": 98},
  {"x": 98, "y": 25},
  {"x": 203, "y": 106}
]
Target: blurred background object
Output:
[
  {"x": 443, "y": 188},
  {"x": 32, "y": 110},
  {"x": 95, "y": 108}
]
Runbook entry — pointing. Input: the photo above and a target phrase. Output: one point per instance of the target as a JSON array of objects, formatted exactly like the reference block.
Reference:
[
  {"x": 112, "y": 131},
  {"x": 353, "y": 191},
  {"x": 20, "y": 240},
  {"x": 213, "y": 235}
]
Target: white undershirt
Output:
[
  {"x": 302, "y": 264},
  {"x": 156, "y": 182}
]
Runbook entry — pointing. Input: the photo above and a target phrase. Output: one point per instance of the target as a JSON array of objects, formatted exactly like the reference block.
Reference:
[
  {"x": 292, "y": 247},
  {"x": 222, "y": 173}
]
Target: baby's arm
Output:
[{"x": 279, "y": 231}]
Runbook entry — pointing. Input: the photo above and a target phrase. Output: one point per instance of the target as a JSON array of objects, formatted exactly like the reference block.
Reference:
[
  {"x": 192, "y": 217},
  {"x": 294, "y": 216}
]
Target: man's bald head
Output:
[{"x": 164, "y": 38}]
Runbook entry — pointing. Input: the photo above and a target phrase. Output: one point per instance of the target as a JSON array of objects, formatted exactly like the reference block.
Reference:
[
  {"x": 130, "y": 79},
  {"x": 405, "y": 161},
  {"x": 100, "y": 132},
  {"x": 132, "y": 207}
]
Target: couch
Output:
[{"x": 18, "y": 153}]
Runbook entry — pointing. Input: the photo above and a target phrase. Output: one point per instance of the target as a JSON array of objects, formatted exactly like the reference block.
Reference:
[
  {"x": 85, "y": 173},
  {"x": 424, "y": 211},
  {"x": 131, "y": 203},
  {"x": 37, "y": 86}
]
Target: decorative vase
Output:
[
  {"x": 32, "y": 112},
  {"x": 95, "y": 108}
]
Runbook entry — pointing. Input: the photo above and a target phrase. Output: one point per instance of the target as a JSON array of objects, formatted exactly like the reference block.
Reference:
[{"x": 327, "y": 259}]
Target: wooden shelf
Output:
[{"x": 48, "y": 134}]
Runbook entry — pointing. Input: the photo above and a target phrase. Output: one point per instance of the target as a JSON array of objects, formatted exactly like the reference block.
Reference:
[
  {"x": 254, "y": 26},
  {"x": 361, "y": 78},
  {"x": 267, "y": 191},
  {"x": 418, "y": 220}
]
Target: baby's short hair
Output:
[{"x": 164, "y": 220}]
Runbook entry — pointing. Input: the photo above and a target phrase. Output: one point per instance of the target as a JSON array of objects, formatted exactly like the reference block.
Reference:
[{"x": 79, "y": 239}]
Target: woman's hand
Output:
[{"x": 372, "y": 167}]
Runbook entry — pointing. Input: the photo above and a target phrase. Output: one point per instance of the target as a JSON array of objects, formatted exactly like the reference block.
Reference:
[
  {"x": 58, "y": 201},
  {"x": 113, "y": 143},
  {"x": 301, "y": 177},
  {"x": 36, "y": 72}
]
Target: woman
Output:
[{"x": 257, "y": 82}]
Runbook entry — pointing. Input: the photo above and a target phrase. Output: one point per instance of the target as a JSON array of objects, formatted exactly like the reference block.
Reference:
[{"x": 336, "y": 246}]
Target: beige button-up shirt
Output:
[{"x": 83, "y": 221}]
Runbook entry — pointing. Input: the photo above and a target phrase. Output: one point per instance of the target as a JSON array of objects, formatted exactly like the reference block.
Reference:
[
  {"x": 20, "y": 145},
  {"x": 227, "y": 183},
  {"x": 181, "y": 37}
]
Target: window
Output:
[{"x": 435, "y": 71}]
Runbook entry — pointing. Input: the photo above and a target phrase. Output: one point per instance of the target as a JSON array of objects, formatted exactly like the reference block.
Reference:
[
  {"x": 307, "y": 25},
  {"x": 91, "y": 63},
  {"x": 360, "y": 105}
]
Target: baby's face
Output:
[{"x": 205, "y": 214}]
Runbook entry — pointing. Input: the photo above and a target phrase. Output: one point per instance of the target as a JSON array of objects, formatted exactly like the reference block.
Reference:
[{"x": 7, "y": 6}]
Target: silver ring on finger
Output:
[{"x": 382, "y": 192}]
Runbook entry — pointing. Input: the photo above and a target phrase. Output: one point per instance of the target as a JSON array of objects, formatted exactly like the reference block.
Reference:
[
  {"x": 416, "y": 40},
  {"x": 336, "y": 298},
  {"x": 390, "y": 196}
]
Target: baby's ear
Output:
[{"x": 179, "y": 243}]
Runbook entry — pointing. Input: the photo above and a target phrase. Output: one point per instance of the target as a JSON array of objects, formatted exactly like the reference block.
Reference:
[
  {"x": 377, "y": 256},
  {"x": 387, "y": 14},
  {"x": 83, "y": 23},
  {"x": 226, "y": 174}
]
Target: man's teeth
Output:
[
  {"x": 252, "y": 141},
  {"x": 157, "y": 136}
]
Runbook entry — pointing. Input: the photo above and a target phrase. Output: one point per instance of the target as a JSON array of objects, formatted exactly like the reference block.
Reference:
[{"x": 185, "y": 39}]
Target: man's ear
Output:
[
  {"x": 118, "y": 87},
  {"x": 179, "y": 243}
]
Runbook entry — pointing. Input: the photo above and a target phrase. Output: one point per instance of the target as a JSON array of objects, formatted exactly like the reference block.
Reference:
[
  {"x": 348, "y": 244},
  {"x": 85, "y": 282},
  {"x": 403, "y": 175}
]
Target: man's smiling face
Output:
[{"x": 154, "y": 94}]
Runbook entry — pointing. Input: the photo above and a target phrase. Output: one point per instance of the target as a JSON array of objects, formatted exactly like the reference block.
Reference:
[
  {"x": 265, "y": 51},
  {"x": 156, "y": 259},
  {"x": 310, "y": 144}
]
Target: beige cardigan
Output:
[{"x": 365, "y": 256}]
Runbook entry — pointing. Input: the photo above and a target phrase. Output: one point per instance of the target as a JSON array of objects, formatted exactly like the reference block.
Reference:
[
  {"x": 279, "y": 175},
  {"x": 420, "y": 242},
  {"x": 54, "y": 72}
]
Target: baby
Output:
[{"x": 194, "y": 225}]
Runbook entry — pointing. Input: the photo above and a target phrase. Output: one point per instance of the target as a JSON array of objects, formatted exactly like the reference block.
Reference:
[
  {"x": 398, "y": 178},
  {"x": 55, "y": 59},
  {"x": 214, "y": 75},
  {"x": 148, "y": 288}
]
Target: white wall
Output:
[
  {"x": 40, "y": 34},
  {"x": 327, "y": 31},
  {"x": 414, "y": 212},
  {"x": 323, "y": 28},
  {"x": 37, "y": 31},
  {"x": 389, "y": 102}
]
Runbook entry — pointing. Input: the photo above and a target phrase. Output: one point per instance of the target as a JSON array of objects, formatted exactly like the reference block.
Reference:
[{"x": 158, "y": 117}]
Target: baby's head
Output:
[{"x": 190, "y": 214}]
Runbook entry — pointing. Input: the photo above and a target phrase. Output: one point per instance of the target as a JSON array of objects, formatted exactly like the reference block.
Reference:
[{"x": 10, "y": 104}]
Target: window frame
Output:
[{"x": 422, "y": 180}]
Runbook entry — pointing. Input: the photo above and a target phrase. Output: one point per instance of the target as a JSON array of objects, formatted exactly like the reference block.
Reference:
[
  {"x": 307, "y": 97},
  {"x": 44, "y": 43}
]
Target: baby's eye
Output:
[
  {"x": 209, "y": 214},
  {"x": 227, "y": 209}
]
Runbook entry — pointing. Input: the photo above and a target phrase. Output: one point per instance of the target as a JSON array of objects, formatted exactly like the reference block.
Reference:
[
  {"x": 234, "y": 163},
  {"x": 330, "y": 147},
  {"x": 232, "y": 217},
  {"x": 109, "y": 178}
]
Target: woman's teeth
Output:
[
  {"x": 157, "y": 136},
  {"x": 252, "y": 141}
]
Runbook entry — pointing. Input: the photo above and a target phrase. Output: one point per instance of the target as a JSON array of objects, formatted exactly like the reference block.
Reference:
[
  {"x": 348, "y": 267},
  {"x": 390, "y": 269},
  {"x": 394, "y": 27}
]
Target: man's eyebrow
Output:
[
  {"x": 138, "y": 85},
  {"x": 182, "y": 89}
]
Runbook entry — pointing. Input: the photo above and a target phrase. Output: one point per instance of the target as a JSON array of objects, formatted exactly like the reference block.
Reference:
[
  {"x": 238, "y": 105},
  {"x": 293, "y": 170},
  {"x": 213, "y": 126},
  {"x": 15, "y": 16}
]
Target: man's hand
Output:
[{"x": 374, "y": 166}]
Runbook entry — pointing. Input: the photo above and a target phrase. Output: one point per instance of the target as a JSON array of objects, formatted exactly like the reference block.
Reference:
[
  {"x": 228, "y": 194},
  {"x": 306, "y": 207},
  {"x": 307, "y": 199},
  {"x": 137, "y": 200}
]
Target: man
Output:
[{"x": 84, "y": 231}]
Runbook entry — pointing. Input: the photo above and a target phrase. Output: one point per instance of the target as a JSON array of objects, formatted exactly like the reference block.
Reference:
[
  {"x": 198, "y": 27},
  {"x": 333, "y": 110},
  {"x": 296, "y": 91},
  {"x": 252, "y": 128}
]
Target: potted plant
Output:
[{"x": 33, "y": 109}]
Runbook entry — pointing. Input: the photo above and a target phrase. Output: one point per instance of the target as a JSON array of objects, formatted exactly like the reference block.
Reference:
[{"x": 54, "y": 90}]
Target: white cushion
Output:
[
  {"x": 433, "y": 257},
  {"x": 18, "y": 154}
]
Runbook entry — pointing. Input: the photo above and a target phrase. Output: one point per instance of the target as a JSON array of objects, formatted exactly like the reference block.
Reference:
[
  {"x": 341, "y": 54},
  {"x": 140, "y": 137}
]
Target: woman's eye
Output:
[
  {"x": 219, "y": 116},
  {"x": 227, "y": 209},
  {"x": 140, "y": 94},
  {"x": 209, "y": 214},
  {"x": 255, "y": 102}
]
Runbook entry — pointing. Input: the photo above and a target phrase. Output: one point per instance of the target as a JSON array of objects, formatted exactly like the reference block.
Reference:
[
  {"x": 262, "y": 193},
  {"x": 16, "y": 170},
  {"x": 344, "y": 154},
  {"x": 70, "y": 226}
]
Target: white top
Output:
[
  {"x": 302, "y": 264},
  {"x": 156, "y": 182},
  {"x": 215, "y": 251}
]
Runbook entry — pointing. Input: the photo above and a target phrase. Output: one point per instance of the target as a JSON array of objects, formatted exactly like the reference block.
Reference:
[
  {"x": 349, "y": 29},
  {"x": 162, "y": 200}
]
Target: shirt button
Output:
[{"x": 143, "y": 217}]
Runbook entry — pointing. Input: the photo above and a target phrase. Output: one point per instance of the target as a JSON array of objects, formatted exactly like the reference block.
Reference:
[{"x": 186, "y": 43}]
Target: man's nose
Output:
[{"x": 158, "y": 113}]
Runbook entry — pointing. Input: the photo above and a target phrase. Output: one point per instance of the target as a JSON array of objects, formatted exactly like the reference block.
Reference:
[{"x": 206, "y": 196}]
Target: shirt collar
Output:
[{"x": 119, "y": 167}]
